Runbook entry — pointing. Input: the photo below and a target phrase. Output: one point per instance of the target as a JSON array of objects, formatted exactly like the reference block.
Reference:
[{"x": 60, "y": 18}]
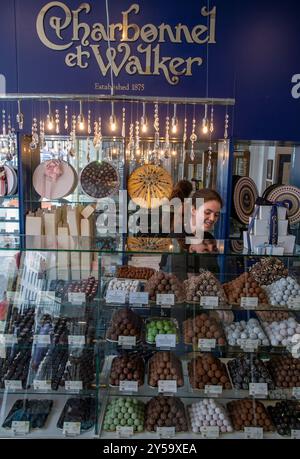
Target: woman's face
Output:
[{"x": 211, "y": 213}]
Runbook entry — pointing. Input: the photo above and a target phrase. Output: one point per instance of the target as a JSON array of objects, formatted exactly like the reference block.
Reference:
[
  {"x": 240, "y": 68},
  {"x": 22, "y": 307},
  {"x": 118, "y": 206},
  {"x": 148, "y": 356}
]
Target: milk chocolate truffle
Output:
[
  {"x": 208, "y": 370},
  {"x": 127, "y": 367},
  {"x": 285, "y": 371},
  {"x": 268, "y": 270},
  {"x": 244, "y": 286},
  {"x": 273, "y": 316},
  {"x": 165, "y": 283},
  {"x": 164, "y": 366},
  {"x": 202, "y": 326},
  {"x": 164, "y": 411},
  {"x": 131, "y": 272},
  {"x": 206, "y": 284},
  {"x": 125, "y": 323},
  {"x": 99, "y": 179},
  {"x": 249, "y": 413}
]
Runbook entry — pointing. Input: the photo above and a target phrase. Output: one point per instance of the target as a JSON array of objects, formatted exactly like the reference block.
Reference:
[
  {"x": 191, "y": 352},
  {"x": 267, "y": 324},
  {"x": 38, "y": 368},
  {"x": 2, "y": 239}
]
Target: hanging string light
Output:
[
  {"x": 144, "y": 121},
  {"x": 225, "y": 134},
  {"x": 205, "y": 121},
  {"x": 123, "y": 122},
  {"x": 193, "y": 137},
  {"x": 50, "y": 118},
  {"x": 211, "y": 124},
  {"x": 112, "y": 118},
  {"x": 80, "y": 118},
  {"x": 66, "y": 124},
  {"x": 174, "y": 121},
  {"x": 57, "y": 122},
  {"x": 20, "y": 116}
]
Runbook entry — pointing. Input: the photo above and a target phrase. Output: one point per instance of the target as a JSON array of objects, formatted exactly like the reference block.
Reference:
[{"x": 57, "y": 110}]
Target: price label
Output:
[
  {"x": 295, "y": 434},
  {"x": 115, "y": 296},
  {"x": 206, "y": 344},
  {"x": 296, "y": 392},
  {"x": 75, "y": 386},
  {"x": 165, "y": 341},
  {"x": 76, "y": 297},
  {"x": 249, "y": 302},
  {"x": 124, "y": 431},
  {"x": 167, "y": 386},
  {"x": 71, "y": 428},
  {"x": 259, "y": 389},
  {"x": 210, "y": 432},
  {"x": 41, "y": 339},
  {"x": 294, "y": 303},
  {"x": 13, "y": 384},
  {"x": 76, "y": 340},
  {"x": 166, "y": 432},
  {"x": 8, "y": 340},
  {"x": 20, "y": 427},
  {"x": 139, "y": 298},
  {"x": 209, "y": 302},
  {"x": 213, "y": 390},
  {"x": 249, "y": 345},
  {"x": 127, "y": 341},
  {"x": 128, "y": 386},
  {"x": 165, "y": 299},
  {"x": 41, "y": 384},
  {"x": 254, "y": 433}
]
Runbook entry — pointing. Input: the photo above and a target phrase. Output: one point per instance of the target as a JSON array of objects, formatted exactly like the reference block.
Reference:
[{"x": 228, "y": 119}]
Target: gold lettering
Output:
[
  {"x": 212, "y": 28},
  {"x": 111, "y": 56},
  {"x": 55, "y": 23},
  {"x": 98, "y": 32},
  {"x": 160, "y": 65},
  {"x": 149, "y": 33},
  {"x": 165, "y": 27},
  {"x": 112, "y": 28},
  {"x": 197, "y": 32},
  {"x": 71, "y": 57},
  {"x": 147, "y": 51},
  {"x": 186, "y": 32},
  {"x": 134, "y": 66},
  {"x": 77, "y": 26},
  {"x": 177, "y": 62},
  {"x": 135, "y": 8},
  {"x": 189, "y": 63}
]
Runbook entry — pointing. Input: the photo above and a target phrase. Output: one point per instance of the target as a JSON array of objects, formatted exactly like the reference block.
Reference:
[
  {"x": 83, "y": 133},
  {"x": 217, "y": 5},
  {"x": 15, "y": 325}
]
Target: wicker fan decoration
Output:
[
  {"x": 150, "y": 244},
  {"x": 149, "y": 184}
]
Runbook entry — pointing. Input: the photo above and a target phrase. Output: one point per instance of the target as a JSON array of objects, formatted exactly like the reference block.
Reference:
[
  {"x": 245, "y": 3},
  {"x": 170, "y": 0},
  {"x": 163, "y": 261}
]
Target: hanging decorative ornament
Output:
[
  {"x": 88, "y": 157},
  {"x": 57, "y": 122},
  {"x": 9, "y": 125},
  {"x": 80, "y": 118},
  {"x": 137, "y": 138},
  {"x": 156, "y": 134},
  {"x": 50, "y": 119},
  {"x": 211, "y": 124},
  {"x": 184, "y": 139},
  {"x": 167, "y": 146},
  {"x": 193, "y": 137},
  {"x": 123, "y": 122},
  {"x": 144, "y": 121},
  {"x": 96, "y": 134},
  {"x": 208, "y": 169},
  {"x": 34, "y": 135},
  {"x": 12, "y": 145},
  {"x": 89, "y": 128},
  {"x": 174, "y": 121},
  {"x": 42, "y": 134},
  {"x": 205, "y": 121},
  {"x": 66, "y": 124},
  {"x": 72, "y": 150},
  {"x": 130, "y": 146},
  {"x": 20, "y": 116},
  {"x": 3, "y": 122},
  {"x": 225, "y": 136}
]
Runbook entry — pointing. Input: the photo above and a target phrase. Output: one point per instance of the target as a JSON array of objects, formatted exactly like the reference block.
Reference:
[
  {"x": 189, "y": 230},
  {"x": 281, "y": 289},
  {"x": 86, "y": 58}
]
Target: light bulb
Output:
[
  {"x": 144, "y": 124},
  {"x": 113, "y": 123},
  {"x": 204, "y": 128},
  {"x": 174, "y": 152},
  {"x": 81, "y": 123},
  {"x": 174, "y": 125},
  {"x": 50, "y": 122},
  {"x": 205, "y": 121}
]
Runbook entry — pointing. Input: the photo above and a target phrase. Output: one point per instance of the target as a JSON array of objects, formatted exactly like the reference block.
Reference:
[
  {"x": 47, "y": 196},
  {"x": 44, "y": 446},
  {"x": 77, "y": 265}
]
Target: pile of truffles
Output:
[
  {"x": 208, "y": 370},
  {"x": 225, "y": 317},
  {"x": 52, "y": 366},
  {"x": 285, "y": 371},
  {"x": 125, "y": 323},
  {"x": 79, "y": 409},
  {"x": 63, "y": 288},
  {"x": 127, "y": 286},
  {"x": 286, "y": 416},
  {"x": 131, "y": 272},
  {"x": 244, "y": 286},
  {"x": 128, "y": 367},
  {"x": 99, "y": 179},
  {"x": 20, "y": 323},
  {"x": 159, "y": 327},
  {"x": 284, "y": 332},
  {"x": 34, "y": 411},
  {"x": 81, "y": 368},
  {"x": 166, "y": 412},
  {"x": 249, "y": 413},
  {"x": 283, "y": 291},
  {"x": 164, "y": 366},
  {"x": 273, "y": 316},
  {"x": 15, "y": 366},
  {"x": 268, "y": 270},
  {"x": 244, "y": 370},
  {"x": 125, "y": 412},
  {"x": 202, "y": 326},
  {"x": 206, "y": 284},
  {"x": 209, "y": 412},
  {"x": 239, "y": 331},
  {"x": 165, "y": 283}
]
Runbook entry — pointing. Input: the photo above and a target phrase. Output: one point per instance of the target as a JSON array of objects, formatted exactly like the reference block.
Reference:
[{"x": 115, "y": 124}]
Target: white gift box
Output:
[
  {"x": 262, "y": 227},
  {"x": 265, "y": 212},
  {"x": 274, "y": 250},
  {"x": 288, "y": 242},
  {"x": 255, "y": 241}
]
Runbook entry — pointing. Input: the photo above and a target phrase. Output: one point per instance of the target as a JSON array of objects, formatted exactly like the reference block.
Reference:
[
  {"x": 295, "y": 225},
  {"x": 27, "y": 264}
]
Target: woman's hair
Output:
[
  {"x": 208, "y": 195},
  {"x": 182, "y": 190}
]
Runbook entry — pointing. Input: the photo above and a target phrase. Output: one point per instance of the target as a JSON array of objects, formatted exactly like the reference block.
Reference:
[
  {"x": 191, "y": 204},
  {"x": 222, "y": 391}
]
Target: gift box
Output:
[
  {"x": 262, "y": 227},
  {"x": 264, "y": 212},
  {"x": 274, "y": 250},
  {"x": 255, "y": 241},
  {"x": 288, "y": 242}
]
